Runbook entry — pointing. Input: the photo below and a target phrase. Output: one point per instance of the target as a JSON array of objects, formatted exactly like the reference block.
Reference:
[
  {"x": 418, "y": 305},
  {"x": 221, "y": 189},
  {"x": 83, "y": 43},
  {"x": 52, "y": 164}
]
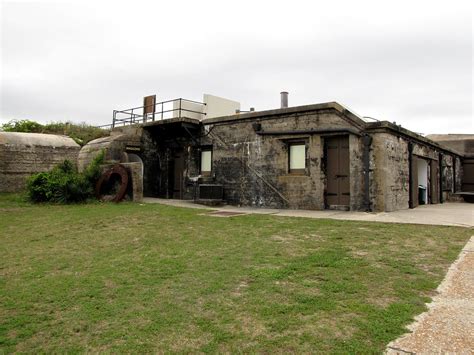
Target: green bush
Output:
[{"x": 64, "y": 184}]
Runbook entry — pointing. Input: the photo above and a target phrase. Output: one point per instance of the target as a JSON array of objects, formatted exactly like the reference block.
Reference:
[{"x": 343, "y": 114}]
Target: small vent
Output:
[{"x": 211, "y": 192}]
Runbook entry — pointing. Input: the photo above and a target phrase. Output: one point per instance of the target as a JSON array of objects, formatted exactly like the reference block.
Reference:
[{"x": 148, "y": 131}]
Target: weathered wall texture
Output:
[
  {"x": 390, "y": 172},
  {"x": 458, "y": 174},
  {"x": 250, "y": 159},
  {"x": 357, "y": 188},
  {"x": 113, "y": 146},
  {"x": 389, "y": 188},
  {"x": 254, "y": 168},
  {"x": 23, "y": 154},
  {"x": 135, "y": 186}
]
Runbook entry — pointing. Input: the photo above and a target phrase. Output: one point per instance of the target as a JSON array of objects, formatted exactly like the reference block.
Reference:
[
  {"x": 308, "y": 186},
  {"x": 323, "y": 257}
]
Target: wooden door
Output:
[
  {"x": 414, "y": 182},
  {"x": 178, "y": 169},
  {"x": 468, "y": 175},
  {"x": 337, "y": 171}
]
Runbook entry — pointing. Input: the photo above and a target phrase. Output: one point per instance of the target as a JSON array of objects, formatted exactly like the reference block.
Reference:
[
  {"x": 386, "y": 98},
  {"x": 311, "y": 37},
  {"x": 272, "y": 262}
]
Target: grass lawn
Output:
[{"x": 151, "y": 278}]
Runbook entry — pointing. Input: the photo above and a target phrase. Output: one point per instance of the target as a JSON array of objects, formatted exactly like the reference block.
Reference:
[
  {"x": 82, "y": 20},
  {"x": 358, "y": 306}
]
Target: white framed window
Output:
[
  {"x": 206, "y": 161},
  {"x": 297, "y": 158}
]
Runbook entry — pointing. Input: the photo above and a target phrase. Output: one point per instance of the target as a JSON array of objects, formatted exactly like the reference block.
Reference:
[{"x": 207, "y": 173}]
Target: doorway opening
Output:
[
  {"x": 176, "y": 171},
  {"x": 422, "y": 181}
]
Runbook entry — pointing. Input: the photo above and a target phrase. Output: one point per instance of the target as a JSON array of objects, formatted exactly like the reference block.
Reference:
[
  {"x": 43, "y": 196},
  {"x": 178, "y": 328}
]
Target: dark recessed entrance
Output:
[
  {"x": 177, "y": 171},
  {"x": 337, "y": 172}
]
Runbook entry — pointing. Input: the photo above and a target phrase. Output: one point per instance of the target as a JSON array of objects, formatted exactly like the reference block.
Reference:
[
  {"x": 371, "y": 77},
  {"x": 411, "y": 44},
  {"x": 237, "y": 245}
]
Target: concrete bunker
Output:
[
  {"x": 320, "y": 156},
  {"x": 23, "y": 154},
  {"x": 121, "y": 151}
]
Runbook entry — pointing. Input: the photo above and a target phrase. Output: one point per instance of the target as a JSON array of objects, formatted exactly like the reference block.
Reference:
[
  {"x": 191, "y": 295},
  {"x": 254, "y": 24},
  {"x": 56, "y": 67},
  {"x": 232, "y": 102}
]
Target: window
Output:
[
  {"x": 297, "y": 158},
  {"x": 206, "y": 161}
]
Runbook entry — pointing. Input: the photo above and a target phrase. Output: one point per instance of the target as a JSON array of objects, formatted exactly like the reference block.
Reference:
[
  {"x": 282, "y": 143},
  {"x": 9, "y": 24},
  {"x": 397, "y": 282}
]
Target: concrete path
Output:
[
  {"x": 448, "y": 325},
  {"x": 448, "y": 214}
]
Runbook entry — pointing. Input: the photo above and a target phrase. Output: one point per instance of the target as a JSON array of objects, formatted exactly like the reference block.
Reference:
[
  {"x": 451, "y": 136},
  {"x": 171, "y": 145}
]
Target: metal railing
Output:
[{"x": 162, "y": 110}]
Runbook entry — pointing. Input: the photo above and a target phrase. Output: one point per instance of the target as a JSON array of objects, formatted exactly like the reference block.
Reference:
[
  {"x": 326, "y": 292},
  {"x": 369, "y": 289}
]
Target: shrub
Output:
[{"x": 64, "y": 184}]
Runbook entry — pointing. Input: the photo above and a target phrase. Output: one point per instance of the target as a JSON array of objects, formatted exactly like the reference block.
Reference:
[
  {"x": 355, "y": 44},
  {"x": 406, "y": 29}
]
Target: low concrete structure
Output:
[
  {"x": 22, "y": 154},
  {"x": 120, "y": 149},
  {"x": 314, "y": 157}
]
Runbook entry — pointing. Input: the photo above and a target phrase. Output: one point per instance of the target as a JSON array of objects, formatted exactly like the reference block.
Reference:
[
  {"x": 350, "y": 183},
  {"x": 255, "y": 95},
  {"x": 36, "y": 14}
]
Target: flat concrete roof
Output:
[
  {"x": 345, "y": 112},
  {"x": 385, "y": 125},
  {"x": 285, "y": 111}
]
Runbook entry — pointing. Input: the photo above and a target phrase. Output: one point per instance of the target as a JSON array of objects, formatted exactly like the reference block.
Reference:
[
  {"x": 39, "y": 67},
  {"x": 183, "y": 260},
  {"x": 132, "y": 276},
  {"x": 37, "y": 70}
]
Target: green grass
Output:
[{"x": 151, "y": 278}]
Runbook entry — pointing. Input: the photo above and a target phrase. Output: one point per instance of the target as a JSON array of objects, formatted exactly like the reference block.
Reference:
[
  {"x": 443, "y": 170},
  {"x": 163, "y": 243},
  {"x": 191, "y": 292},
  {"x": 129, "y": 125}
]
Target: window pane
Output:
[
  {"x": 206, "y": 160},
  {"x": 297, "y": 156}
]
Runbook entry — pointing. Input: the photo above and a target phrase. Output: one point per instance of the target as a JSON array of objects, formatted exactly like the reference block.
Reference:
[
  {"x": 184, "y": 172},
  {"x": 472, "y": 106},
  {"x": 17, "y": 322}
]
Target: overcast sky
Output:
[{"x": 403, "y": 61}]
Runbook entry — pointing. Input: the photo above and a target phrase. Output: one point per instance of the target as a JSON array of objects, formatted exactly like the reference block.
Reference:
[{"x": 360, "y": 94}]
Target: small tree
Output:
[{"x": 23, "y": 126}]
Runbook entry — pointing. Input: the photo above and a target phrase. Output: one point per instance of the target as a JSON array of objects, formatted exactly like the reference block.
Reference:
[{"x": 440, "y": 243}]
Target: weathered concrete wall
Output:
[
  {"x": 357, "y": 186},
  {"x": 250, "y": 159},
  {"x": 458, "y": 174},
  {"x": 23, "y": 154},
  {"x": 151, "y": 162},
  {"x": 389, "y": 183},
  {"x": 253, "y": 168},
  {"x": 114, "y": 147},
  {"x": 135, "y": 185}
]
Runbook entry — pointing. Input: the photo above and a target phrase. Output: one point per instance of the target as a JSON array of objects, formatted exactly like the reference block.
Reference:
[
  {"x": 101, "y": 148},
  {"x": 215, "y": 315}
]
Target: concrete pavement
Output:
[
  {"x": 447, "y": 214},
  {"x": 448, "y": 325}
]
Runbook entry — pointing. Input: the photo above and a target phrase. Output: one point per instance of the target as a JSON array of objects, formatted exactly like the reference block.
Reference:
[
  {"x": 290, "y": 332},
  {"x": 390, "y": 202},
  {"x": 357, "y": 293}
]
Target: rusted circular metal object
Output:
[{"x": 118, "y": 171}]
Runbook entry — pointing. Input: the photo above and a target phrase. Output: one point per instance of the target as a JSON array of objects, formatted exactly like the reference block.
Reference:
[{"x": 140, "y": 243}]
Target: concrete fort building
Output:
[{"x": 320, "y": 156}]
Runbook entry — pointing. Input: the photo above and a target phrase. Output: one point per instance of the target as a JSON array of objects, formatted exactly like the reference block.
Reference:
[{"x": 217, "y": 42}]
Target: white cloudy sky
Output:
[{"x": 403, "y": 61}]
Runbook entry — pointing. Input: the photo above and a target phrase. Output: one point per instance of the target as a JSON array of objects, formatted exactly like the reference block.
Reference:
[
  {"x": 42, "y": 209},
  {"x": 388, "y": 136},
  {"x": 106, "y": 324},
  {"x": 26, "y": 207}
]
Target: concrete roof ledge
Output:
[{"x": 285, "y": 111}]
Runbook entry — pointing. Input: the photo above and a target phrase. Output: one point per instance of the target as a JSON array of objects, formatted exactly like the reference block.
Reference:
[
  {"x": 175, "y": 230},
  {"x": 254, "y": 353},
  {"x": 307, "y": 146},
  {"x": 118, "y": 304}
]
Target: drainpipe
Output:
[{"x": 367, "y": 140}]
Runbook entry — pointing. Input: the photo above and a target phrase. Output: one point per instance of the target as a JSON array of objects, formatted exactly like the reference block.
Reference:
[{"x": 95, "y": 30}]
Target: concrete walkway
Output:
[
  {"x": 447, "y": 214},
  {"x": 448, "y": 325}
]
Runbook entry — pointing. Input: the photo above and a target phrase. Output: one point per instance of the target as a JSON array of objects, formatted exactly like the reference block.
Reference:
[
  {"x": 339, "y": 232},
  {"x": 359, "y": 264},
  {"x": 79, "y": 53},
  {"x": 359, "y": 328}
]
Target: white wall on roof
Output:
[
  {"x": 218, "y": 106},
  {"x": 215, "y": 107},
  {"x": 188, "y": 109}
]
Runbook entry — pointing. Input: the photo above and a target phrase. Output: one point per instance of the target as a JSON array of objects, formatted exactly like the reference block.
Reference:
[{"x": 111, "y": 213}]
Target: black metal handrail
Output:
[{"x": 130, "y": 116}]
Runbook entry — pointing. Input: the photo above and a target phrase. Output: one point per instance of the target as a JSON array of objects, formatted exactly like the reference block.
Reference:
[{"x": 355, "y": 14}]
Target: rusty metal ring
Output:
[{"x": 104, "y": 179}]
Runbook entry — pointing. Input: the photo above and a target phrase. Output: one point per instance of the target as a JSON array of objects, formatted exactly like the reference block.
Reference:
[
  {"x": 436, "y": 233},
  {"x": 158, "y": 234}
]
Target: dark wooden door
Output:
[
  {"x": 468, "y": 175},
  {"x": 414, "y": 182},
  {"x": 178, "y": 168},
  {"x": 338, "y": 177}
]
